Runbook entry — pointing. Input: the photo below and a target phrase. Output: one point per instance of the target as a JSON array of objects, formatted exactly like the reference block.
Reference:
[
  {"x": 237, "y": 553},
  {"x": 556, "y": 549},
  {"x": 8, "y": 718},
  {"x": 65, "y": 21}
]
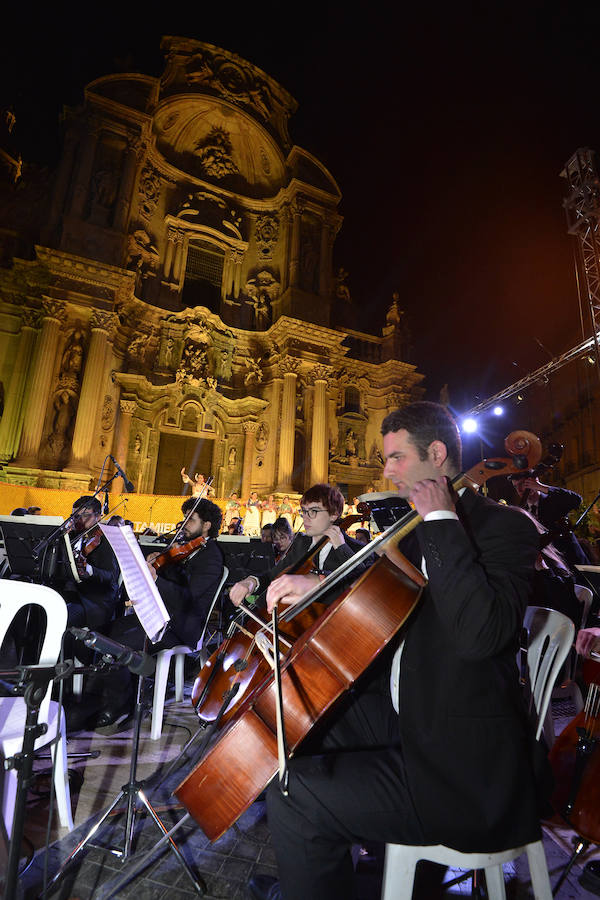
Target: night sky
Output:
[{"x": 446, "y": 128}]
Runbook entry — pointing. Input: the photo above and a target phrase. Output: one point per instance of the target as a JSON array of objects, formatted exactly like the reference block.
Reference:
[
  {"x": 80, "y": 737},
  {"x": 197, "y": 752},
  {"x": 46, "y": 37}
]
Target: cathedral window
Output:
[{"x": 203, "y": 276}]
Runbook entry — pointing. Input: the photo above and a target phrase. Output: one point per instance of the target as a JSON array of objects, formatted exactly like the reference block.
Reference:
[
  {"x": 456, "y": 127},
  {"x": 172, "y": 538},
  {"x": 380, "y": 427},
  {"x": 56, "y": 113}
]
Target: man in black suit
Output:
[
  {"x": 93, "y": 600},
  {"x": 320, "y": 507},
  {"x": 551, "y": 506},
  {"x": 434, "y": 748}
]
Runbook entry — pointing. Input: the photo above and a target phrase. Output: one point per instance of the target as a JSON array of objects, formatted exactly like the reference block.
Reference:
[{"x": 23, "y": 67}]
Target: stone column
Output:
[
  {"x": 84, "y": 172},
  {"x": 324, "y": 266},
  {"x": 250, "y": 429},
  {"x": 178, "y": 263},
  {"x": 297, "y": 209},
  {"x": 289, "y": 368},
  {"x": 13, "y": 409},
  {"x": 319, "y": 450},
  {"x": 40, "y": 383},
  {"x": 121, "y": 442},
  {"x": 91, "y": 389},
  {"x": 126, "y": 185}
]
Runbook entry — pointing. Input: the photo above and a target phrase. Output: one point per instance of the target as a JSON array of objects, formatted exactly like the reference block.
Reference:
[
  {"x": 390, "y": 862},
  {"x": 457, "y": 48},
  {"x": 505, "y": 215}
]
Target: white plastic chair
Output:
[
  {"x": 14, "y": 595},
  {"x": 549, "y": 639},
  {"x": 163, "y": 665},
  {"x": 584, "y": 595}
]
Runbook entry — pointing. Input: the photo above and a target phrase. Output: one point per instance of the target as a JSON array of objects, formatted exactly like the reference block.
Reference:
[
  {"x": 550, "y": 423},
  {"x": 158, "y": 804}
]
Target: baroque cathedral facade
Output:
[{"x": 169, "y": 297}]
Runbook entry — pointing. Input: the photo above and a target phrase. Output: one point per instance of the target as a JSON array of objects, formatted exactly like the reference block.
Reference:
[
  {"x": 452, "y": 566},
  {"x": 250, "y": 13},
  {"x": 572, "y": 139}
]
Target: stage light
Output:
[
  {"x": 519, "y": 398},
  {"x": 498, "y": 410},
  {"x": 469, "y": 426}
]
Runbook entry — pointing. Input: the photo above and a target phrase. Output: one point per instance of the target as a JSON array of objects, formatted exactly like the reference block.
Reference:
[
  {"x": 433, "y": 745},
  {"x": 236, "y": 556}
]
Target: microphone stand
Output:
[{"x": 133, "y": 793}]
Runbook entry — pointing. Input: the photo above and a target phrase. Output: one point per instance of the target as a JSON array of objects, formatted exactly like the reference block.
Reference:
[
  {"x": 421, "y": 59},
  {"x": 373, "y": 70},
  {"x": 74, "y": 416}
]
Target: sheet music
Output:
[{"x": 142, "y": 591}]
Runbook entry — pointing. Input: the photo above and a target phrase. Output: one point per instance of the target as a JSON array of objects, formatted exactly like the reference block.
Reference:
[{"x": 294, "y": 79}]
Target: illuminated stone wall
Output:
[{"x": 180, "y": 295}]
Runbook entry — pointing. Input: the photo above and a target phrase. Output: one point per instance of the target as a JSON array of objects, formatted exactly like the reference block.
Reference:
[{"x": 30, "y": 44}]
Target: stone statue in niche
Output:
[
  {"x": 342, "y": 291},
  {"x": 262, "y": 437},
  {"x": 71, "y": 362},
  {"x": 63, "y": 423},
  {"x": 254, "y": 374},
  {"x": 232, "y": 458},
  {"x": 142, "y": 255},
  {"x": 262, "y": 290},
  {"x": 375, "y": 455},
  {"x": 351, "y": 443},
  {"x": 169, "y": 353},
  {"x": 105, "y": 183},
  {"x": 224, "y": 364}
]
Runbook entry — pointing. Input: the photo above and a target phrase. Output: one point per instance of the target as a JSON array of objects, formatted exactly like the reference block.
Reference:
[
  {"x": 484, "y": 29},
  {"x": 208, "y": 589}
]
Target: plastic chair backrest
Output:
[
  {"x": 550, "y": 636},
  {"x": 14, "y": 595},
  {"x": 224, "y": 577},
  {"x": 584, "y": 595}
]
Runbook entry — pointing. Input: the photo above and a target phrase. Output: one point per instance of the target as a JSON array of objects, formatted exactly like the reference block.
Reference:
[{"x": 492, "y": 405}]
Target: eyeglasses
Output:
[{"x": 311, "y": 511}]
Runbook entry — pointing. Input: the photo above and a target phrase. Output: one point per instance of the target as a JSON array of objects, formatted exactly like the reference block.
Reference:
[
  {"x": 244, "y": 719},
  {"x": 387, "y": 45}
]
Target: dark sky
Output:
[{"x": 446, "y": 127}]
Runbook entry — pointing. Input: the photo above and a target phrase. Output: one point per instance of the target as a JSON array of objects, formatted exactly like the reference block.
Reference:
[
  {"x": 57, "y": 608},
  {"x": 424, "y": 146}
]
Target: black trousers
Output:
[{"x": 354, "y": 789}]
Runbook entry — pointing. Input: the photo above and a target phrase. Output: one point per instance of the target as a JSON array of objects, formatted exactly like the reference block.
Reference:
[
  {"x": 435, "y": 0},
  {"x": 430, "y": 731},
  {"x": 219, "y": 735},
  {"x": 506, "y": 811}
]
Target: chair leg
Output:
[
  {"x": 179, "y": 681},
  {"x": 399, "y": 872},
  {"x": 160, "y": 688},
  {"x": 538, "y": 870},
  {"x": 61, "y": 778},
  {"x": 494, "y": 880}
]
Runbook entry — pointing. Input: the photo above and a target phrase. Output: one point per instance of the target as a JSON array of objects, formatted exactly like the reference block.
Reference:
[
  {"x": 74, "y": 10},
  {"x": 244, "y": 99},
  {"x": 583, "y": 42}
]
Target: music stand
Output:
[
  {"x": 153, "y": 616},
  {"x": 386, "y": 507},
  {"x": 22, "y": 533}
]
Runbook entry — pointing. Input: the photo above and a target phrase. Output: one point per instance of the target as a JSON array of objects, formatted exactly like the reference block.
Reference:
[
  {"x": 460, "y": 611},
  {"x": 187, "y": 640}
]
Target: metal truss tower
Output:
[{"x": 582, "y": 206}]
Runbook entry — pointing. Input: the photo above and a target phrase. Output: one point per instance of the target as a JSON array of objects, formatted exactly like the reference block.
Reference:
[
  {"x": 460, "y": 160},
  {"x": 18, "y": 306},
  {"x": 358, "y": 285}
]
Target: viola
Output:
[
  {"x": 177, "y": 553},
  {"x": 575, "y": 761}
]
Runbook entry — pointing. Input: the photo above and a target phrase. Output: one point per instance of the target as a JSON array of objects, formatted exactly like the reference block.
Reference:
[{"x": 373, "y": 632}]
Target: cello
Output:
[
  {"x": 575, "y": 761},
  {"x": 322, "y": 664}
]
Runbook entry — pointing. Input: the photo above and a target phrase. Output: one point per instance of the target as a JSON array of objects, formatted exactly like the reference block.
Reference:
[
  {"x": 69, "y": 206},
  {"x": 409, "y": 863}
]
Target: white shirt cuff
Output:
[{"x": 440, "y": 514}]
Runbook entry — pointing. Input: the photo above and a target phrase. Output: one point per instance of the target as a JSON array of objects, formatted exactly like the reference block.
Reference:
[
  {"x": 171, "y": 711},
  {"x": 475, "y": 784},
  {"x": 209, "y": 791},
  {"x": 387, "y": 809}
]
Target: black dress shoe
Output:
[
  {"x": 110, "y": 721},
  {"x": 265, "y": 887}
]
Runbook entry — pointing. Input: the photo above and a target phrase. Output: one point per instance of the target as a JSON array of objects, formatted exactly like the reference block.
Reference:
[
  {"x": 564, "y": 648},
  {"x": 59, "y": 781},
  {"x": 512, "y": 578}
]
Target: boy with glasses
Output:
[{"x": 321, "y": 506}]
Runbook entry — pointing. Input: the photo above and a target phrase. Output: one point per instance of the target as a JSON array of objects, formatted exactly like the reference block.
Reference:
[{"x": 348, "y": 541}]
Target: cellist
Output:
[
  {"x": 433, "y": 744},
  {"x": 320, "y": 508}
]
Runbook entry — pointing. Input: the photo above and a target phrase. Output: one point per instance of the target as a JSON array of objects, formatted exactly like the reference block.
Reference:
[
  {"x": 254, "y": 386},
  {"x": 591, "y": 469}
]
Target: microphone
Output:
[
  {"x": 136, "y": 662},
  {"x": 128, "y": 484},
  {"x": 105, "y": 507}
]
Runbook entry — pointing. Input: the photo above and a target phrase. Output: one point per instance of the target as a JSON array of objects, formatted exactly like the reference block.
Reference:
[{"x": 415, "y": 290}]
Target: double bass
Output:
[{"x": 323, "y": 662}]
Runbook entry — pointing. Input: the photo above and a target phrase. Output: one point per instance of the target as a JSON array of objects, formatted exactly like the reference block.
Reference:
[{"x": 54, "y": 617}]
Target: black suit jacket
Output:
[
  {"x": 98, "y": 593},
  {"x": 465, "y": 738},
  {"x": 554, "y": 506},
  {"x": 188, "y": 590}
]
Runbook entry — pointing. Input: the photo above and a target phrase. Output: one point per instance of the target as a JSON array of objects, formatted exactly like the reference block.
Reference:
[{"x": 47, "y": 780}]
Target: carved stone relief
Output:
[
  {"x": 149, "y": 191},
  {"x": 267, "y": 234},
  {"x": 214, "y": 153},
  {"x": 142, "y": 255}
]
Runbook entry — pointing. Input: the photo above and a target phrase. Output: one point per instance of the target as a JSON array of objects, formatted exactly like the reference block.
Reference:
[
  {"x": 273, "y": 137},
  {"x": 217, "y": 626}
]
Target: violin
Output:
[
  {"x": 177, "y": 553},
  {"x": 90, "y": 542}
]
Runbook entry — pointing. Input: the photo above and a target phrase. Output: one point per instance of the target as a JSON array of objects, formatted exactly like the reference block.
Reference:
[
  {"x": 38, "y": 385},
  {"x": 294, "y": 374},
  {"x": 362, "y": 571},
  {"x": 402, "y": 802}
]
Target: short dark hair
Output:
[
  {"x": 330, "y": 496},
  {"x": 19, "y": 511},
  {"x": 92, "y": 505},
  {"x": 282, "y": 526},
  {"x": 208, "y": 512},
  {"x": 427, "y": 422}
]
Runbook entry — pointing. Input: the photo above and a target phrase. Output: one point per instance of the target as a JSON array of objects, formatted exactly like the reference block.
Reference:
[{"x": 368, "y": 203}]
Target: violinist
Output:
[
  {"x": 93, "y": 600},
  {"x": 432, "y": 744},
  {"x": 187, "y": 589},
  {"x": 551, "y": 506},
  {"x": 320, "y": 508}
]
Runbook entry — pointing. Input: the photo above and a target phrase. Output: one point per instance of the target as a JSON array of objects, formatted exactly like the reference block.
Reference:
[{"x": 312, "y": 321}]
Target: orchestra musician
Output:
[
  {"x": 187, "y": 589},
  {"x": 551, "y": 506},
  {"x": 93, "y": 600},
  {"x": 432, "y": 745},
  {"x": 320, "y": 508}
]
